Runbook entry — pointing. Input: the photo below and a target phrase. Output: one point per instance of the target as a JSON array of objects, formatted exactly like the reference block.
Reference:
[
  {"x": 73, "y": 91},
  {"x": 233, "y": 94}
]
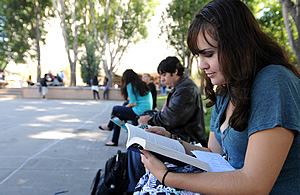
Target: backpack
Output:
[
  {"x": 43, "y": 82},
  {"x": 115, "y": 178}
]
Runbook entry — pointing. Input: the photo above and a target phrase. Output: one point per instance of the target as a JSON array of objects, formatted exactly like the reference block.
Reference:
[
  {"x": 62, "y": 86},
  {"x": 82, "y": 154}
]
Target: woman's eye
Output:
[{"x": 208, "y": 55}]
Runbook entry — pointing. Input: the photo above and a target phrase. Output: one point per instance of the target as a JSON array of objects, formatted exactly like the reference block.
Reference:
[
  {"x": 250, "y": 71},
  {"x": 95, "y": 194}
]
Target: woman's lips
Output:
[{"x": 209, "y": 75}]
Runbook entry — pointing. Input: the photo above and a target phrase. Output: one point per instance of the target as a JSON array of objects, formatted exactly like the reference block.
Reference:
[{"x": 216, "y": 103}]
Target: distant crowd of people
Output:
[{"x": 48, "y": 80}]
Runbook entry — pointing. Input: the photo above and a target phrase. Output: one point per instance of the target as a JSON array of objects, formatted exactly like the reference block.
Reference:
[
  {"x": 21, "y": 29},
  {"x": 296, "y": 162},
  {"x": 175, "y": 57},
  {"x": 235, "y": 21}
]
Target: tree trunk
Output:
[
  {"x": 108, "y": 73},
  {"x": 104, "y": 37},
  {"x": 37, "y": 38},
  {"x": 75, "y": 35},
  {"x": 105, "y": 43},
  {"x": 65, "y": 35},
  {"x": 95, "y": 30},
  {"x": 289, "y": 8},
  {"x": 62, "y": 16},
  {"x": 73, "y": 73}
]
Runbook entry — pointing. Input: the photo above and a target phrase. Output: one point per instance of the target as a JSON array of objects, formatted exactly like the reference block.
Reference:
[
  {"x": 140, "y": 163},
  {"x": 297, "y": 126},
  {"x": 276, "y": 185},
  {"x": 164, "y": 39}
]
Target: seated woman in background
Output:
[
  {"x": 255, "y": 122},
  {"x": 140, "y": 100},
  {"x": 29, "y": 81}
]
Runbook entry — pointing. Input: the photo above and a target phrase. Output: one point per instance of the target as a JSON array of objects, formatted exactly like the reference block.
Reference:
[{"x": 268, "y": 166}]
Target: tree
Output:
[
  {"x": 89, "y": 62},
  {"x": 69, "y": 13},
  {"x": 269, "y": 15},
  {"x": 175, "y": 22},
  {"x": 22, "y": 29},
  {"x": 290, "y": 12},
  {"x": 116, "y": 25}
]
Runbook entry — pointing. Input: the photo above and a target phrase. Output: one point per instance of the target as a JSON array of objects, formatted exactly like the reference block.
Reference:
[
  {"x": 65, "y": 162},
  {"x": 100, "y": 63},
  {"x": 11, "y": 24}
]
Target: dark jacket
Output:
[
  {"x": 154, "y": 93},
  {"x": 183, "y": 115}
]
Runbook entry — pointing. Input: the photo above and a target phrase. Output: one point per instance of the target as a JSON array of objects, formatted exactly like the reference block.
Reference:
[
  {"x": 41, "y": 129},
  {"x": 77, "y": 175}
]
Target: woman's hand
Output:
[
  {"x": 155, "y": 166},
  {"x": 159, "y": 130},
  {"x": 144, "y": 119}
]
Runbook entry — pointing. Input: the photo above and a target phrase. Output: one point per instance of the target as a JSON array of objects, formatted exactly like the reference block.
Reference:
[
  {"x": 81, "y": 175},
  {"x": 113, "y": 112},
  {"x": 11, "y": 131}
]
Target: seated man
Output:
[{"x": 182, "y": 114}]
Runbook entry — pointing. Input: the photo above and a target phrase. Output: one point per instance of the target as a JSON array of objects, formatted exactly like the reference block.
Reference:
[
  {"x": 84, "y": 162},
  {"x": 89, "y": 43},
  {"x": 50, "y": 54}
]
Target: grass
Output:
[
  {"x": 207, "y": 115},
  {"x": 161, "y": 100}
]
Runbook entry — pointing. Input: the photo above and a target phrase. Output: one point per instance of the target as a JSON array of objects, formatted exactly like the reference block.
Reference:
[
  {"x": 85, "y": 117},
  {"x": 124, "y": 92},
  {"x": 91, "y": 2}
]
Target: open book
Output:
[{"x": 166, "y": 149}]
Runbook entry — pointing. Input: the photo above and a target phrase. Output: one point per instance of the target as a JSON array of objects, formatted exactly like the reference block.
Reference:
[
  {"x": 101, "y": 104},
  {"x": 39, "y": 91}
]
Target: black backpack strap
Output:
[{"x": 95, "y": 182}]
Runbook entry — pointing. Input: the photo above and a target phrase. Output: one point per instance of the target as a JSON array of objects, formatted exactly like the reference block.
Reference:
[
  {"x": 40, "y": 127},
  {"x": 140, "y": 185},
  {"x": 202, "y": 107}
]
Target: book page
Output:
[
  {"x": 134, "y": 131},
  {"x": 216, "y": 162}
]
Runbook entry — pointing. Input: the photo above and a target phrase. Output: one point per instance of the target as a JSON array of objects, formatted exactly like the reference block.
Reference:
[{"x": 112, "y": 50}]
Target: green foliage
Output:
[
  {"x": 17, "y": 28},
  {"x": 133, "y": 16},
  {"x": 89, "y": 62},
  {"x": 269, "y": 15},
  {"x": 175, "y": 23},
  {"x": 207, "y": 115}
]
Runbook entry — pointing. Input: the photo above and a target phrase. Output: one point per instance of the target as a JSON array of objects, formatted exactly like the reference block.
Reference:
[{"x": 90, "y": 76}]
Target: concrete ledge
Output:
[{"x": 77, "y": 93}]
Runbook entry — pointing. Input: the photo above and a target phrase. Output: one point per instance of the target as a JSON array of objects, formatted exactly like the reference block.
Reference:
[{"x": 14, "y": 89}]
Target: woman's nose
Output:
[{"x": 202, "y": 64}]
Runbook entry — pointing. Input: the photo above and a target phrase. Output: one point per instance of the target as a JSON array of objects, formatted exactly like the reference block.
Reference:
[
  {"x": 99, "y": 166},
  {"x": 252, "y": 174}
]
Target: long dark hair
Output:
[
  {"x": 243, "y": 50},
  {"x": 129, "y": 76}
]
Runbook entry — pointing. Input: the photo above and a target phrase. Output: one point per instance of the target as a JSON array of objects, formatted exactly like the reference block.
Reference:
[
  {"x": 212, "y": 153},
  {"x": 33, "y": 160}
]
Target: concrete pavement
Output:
[{"x": 48, "y": 146}]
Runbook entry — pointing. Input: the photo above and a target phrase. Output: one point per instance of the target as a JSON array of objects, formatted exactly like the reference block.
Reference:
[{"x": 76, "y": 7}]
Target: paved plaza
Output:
[{"x": 49, "y": 146}]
